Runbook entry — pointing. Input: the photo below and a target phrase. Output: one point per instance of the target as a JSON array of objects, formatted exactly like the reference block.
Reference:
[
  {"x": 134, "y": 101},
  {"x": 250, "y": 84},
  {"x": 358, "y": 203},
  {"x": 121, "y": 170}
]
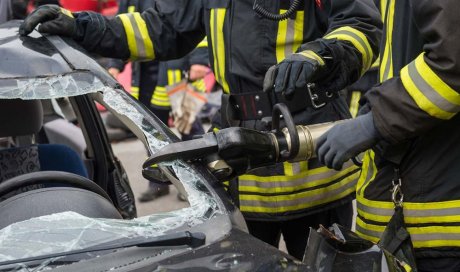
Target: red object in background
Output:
[
  {"x": 125, "y": 80},
  {"x": 93, "y": 5},
  {"x": 106, "y": 7}
]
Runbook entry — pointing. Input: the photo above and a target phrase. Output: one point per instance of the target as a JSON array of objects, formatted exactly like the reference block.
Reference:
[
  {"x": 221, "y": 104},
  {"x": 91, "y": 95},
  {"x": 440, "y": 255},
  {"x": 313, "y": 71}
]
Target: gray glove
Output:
[{"x": 346, "y": 140}]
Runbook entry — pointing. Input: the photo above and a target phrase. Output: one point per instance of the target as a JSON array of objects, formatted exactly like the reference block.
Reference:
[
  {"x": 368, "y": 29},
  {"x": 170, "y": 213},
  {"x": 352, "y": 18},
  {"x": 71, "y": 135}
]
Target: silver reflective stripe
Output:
[
  {"x": 429, "y": 92},
  {"x": 418, "y": 237},
  {"x": 363, "y": 44},
  {"x": 137, "y": 35},
  {"x": 300, "y": 200},
  {"x": 246, "y": 181},
  {"x": 386, "y": 72},
  {"x": 435, "y": 236},
  {"x": 288, "y": 49},
  {"x": 368, "y": 232},
  {"x": 410, "y": 212}
]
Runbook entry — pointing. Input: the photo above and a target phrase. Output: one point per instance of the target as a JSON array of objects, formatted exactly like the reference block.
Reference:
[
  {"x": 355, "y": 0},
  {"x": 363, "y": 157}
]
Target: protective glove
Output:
[
  {"x": 332, "y": 66},
  {"x": 191, "y": 106},
  {"x": 53, "y": 20},
  {"x": 176, "y": 95},
  {"x": 293, "y": 73},
  {"x": 346, "y": 140}
]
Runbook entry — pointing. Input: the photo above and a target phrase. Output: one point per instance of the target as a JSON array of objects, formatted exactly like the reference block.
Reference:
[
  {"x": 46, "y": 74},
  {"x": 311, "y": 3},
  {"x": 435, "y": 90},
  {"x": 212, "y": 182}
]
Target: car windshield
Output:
[{"x": 69, "y": 231}]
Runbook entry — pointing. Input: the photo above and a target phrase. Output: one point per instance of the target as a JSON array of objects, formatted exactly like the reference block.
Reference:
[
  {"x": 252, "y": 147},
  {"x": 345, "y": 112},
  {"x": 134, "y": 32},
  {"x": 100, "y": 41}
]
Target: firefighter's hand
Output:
[
  {"x": 346, "y": 140},
  {"x": 53, "y": 20},
  {"x": 115, "y": 72},
  {"x": 294, "y": 72},
  {"x": 198, "y": 71}
]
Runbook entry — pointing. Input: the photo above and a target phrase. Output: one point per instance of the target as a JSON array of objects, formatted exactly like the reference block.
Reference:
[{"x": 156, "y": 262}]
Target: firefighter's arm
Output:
[
  {"x": 427, "y": 90},
  {"x": 339, "y": 58},
  {"x": 170, "y": 29},
  {"x": 353, "y": 37},
  {"x": 198, "y": 62}
]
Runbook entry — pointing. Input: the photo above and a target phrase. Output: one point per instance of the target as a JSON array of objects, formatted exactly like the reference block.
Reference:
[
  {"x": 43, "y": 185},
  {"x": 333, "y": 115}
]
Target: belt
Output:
[{"x": 257, "y": 105}]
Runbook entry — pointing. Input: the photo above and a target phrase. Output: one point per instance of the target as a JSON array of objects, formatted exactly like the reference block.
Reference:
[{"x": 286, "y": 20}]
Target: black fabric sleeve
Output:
[{"x": 427, "y": 90}]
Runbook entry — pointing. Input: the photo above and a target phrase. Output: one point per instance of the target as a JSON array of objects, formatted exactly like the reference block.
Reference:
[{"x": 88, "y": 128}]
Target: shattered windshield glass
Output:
[{"x": 70, "y": 231}]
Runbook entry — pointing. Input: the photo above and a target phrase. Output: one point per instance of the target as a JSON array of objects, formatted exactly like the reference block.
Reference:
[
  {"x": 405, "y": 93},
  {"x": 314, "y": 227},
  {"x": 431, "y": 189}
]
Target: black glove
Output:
[
  {"x": 346, "y": 140},
  {"x": 293, "y": 73},
  {"x": 332, "y": 65},
  {"x": 53, "y": 19}
]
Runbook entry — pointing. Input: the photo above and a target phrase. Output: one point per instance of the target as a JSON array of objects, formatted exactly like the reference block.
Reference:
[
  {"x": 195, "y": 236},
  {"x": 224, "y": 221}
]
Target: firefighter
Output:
[
  {"x": 196, "y": 65},
  {"x": 143, "y": 82},
  {"x": 331, "y": 43},
  {"x": 413, "y": 117}
]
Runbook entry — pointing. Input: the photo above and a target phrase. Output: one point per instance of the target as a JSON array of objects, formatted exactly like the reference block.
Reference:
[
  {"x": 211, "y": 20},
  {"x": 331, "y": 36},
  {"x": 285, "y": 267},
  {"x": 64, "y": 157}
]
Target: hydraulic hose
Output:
[{"x": 276, "y": 17}]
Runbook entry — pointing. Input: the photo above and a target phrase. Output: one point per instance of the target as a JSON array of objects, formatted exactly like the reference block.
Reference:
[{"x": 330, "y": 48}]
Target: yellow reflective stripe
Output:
[
  {"x": 312, "y": 55},
  {"x": 293, "y": 183},
  {"x": 289, "y": 36},
  {"x": 368, "y": 231},
  {"x": 383, "y": 7},
  {"x": 139, "y": 41},
  {"x": 67, "y": 12},
  {"x": 281, "y": 40},
  {"x": 174, "y": 76},
  {"x": 406, "y": 267},
  {"x": 386, "y": 67},
  {"x": 148, "y": 45},
  {"x": 354, "y": 102},
  {"x": 293, "y": 202},
  {"x": 218, "y": 45},
  {"x": 368, "y": 172},
  {"x": 429, "y": 92},
  {"x": 288, "y": 169},
  {"x": 160, "y": 97},
  {"x": 376, "y": 63},
  {"x": 170, "y": 77},
  {"x": 177, "y": 76},
  {"x": 298, "y": 30},
  {"x": 203, "y": 43},
  {"x": 422, "y": 237},
  {"x": 359, "y": 41},
  {"x": 129, "y": 35},
  {"x": 199, "y": 85},
  {"x": 135, "y": 92},
  {"x": 284, "y": 178},
  {"x": 131, "y": 9}
]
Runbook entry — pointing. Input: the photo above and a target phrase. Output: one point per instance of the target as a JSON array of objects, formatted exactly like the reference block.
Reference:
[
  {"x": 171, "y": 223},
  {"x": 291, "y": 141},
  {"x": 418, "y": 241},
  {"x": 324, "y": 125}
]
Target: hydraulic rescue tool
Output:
[{"x": 236, "y": 150}]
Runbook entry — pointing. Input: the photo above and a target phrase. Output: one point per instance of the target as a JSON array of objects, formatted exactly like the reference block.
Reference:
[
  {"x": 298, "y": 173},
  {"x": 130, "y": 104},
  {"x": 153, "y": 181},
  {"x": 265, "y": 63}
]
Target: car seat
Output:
[{"x": 20, "y": 118}]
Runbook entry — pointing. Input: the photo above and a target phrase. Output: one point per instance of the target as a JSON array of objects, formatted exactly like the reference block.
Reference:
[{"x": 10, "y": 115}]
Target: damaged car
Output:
[{"x": 67, "y": 204}]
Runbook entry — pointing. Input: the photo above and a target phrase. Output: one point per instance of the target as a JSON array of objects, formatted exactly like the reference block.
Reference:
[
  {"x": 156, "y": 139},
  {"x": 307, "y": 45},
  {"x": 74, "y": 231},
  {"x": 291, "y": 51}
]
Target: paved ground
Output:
[{"x": 132, "y": 154}]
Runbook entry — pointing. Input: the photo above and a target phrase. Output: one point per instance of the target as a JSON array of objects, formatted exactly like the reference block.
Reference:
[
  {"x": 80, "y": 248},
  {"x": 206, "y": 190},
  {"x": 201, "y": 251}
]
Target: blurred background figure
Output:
[{"x": 144, "y": 78}]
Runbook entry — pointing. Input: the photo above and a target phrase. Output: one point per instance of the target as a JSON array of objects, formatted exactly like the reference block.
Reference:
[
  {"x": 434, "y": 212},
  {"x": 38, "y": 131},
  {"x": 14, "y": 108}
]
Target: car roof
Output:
[{"x": 40, "y": 55}]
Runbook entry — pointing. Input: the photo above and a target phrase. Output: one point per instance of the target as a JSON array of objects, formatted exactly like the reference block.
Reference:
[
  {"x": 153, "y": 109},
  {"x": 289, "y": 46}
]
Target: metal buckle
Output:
[
  {"x": 314, "y": 97},
  {"x": 396, "y": 193}
]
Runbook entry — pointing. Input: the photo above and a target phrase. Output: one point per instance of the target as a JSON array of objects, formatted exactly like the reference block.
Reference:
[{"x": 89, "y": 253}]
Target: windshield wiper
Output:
[{"x": 186, "y": 238}]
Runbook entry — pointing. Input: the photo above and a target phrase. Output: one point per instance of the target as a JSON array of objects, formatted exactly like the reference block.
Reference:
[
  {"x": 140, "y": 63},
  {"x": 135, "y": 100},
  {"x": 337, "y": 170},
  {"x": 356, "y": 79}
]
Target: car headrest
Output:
[{"x": 20, "y": 117}]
